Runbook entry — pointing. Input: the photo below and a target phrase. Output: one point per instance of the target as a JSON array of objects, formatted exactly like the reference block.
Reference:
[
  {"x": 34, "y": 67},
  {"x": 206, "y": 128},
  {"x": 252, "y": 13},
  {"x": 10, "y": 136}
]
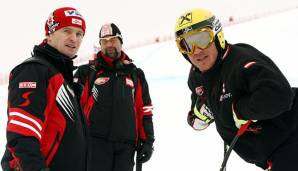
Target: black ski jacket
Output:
[
  {"x": 45, "y": 126},
  {"x": 116, "y": 99},
  {"x": 249, "y": 81}
]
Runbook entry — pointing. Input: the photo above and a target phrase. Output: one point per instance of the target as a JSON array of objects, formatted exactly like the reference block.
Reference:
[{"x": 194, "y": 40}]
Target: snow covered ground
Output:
[{"x": 178, "y": 147}]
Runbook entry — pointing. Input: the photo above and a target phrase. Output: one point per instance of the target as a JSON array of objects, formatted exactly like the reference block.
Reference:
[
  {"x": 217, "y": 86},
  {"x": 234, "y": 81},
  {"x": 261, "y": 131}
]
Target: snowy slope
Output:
[{"x": 178, "y": 147}]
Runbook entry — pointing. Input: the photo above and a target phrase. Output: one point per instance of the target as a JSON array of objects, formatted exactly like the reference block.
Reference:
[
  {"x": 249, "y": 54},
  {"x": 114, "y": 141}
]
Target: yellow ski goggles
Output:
[{"x": 201, "y": 38}]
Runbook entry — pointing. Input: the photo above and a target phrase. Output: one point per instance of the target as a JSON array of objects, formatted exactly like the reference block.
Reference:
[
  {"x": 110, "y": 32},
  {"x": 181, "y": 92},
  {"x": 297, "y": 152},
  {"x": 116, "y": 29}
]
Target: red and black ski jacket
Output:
[
  {"x": 249, "y": 81},
  {"x": 45, "y": 127},
  {"x": 116, "y": 99}
]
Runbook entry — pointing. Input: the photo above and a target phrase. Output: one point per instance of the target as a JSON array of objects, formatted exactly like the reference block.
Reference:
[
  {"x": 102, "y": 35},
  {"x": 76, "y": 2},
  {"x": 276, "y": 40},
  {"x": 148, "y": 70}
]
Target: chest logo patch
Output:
[
  {"x": 224, "y": 95},
  {"x": 101, "y": 80},
  {"x": 129, "y": 82}
]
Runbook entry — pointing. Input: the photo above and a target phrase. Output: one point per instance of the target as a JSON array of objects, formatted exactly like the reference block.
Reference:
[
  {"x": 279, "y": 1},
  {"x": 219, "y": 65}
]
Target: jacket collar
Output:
[{"x": 60, "y": 61}]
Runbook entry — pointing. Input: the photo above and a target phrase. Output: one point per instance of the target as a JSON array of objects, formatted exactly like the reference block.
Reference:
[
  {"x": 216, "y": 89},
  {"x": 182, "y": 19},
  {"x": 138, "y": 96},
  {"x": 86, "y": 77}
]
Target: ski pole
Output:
[
  {"x": 226, "y": 146},
  {"x": 139, "y": 166},
  {"x": 240, "y": 131}
]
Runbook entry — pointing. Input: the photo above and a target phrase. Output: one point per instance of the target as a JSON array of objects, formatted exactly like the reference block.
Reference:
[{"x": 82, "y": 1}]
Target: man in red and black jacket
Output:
[
  {"x": 117, "y": 105},
  {"x": 46, "y": 129}
]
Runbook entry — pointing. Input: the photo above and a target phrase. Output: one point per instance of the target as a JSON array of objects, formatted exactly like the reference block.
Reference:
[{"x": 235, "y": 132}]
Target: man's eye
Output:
[{"x": 80, "y": 34}]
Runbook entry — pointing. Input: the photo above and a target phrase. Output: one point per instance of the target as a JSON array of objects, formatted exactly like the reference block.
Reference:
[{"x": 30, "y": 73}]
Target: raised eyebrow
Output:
[{"x": 65, "y": 29}]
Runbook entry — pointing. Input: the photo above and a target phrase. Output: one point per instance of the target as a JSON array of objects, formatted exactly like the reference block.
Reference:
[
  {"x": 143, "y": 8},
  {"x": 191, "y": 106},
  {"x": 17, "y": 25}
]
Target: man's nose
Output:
[
  {"x": 73, "y": 36},
  {"x": 109, "y": 43}
]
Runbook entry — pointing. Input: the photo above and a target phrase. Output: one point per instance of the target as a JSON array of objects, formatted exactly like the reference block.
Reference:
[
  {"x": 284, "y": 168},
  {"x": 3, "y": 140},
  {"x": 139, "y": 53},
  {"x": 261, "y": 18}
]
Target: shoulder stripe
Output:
[
  {"x": 249, "y": 64},
  {"x": 148, "y": 109}
]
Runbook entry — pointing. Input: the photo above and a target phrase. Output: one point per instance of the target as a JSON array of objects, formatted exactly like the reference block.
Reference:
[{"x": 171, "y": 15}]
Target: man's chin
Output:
[{"x": 111, "y": 55}]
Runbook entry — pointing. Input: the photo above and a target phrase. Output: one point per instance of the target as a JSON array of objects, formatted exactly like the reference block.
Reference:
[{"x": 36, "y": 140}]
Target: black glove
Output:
[
  {"x": 263, "y": 165},
  {"x": 144, "y": 152},
  {"x": 145, "y": 147}
]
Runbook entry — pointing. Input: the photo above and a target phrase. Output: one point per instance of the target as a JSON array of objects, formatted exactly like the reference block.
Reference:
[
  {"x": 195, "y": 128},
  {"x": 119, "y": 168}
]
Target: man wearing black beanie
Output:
[{"x": 117, "y": 104}]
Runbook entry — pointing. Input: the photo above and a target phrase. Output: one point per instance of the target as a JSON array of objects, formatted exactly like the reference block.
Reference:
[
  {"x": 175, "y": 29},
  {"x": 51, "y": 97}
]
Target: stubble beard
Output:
[{"x": 114, "y": 55}]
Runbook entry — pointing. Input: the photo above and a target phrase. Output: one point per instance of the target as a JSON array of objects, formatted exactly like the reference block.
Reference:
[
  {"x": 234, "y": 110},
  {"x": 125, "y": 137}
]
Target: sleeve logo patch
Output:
[
  {"x": 129, "y": 82},
  {"x": 200, "y": 90},
  {"x": 27, "y": 85}
]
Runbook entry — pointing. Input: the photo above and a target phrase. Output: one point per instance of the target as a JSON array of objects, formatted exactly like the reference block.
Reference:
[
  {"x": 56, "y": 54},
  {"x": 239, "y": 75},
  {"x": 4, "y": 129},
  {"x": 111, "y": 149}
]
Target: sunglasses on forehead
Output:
[
  {"x": 109, "y": 38},
  {"x": 200, "y": 38}
]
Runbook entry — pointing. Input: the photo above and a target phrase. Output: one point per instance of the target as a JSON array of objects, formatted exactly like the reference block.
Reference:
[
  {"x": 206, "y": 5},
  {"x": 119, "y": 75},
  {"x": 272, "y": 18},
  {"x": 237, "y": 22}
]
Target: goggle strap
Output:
[{"x": 205, "y": 23}]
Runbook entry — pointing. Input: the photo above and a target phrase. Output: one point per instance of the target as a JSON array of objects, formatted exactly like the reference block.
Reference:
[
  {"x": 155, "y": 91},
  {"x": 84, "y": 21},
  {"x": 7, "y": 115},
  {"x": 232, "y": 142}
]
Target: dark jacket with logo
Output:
[
  {"x": 116, "y": 99},
  {"x": 45, "y": 126},
  {"x": 252, "y": 83}
]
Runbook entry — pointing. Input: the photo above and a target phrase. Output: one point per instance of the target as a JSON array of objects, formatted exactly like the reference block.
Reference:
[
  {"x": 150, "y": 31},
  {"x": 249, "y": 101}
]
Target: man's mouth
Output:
[
  {"x": 202, "y": 58},
  {"x": 71, "y": 46}
]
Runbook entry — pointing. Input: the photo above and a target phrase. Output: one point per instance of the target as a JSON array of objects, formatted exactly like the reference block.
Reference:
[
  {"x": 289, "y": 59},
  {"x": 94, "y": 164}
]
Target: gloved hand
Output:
[
  {"x": 239, "y": 122},
  {"x": 145, "y": 151},
  {"x": 201, "y": 116}
]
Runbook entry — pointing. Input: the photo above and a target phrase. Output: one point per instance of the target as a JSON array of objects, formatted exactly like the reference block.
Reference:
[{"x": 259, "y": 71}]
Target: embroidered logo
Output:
[
  {"x": 27, "y": 84},
  {"x": 101, "y": 80},
  {"x": 26, "y": 97},
  {"x": 185, "y": 19},
  {"x": 129, "y": 82},
  {"x": 72, "y": 13},
  {"x": 224, "y": 95},
  {"x": 76, "y": 21}
]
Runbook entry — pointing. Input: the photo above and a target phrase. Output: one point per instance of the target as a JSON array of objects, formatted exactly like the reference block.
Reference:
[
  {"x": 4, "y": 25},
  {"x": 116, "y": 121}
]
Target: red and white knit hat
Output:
[{"x": 64, "y": 17}]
